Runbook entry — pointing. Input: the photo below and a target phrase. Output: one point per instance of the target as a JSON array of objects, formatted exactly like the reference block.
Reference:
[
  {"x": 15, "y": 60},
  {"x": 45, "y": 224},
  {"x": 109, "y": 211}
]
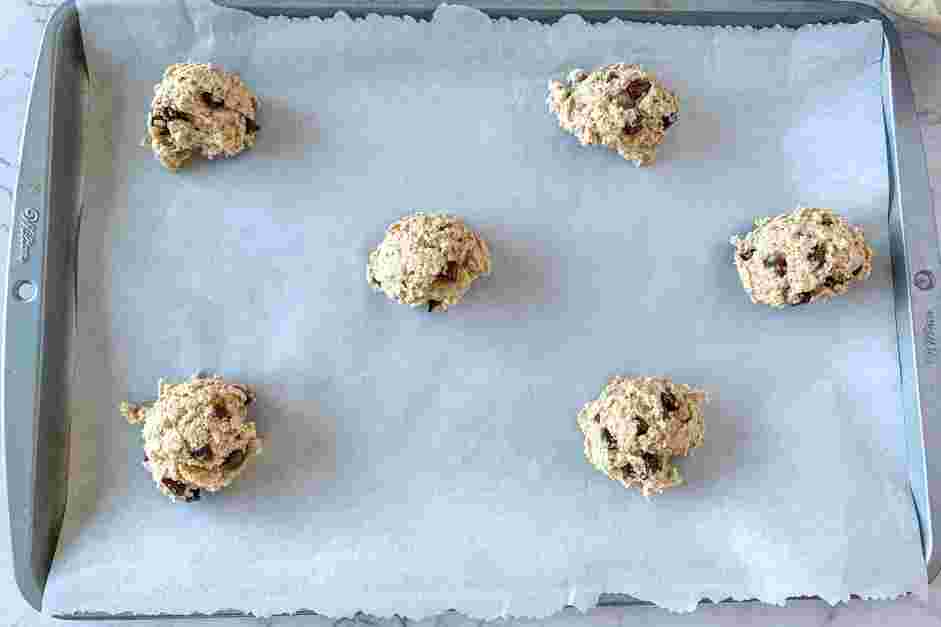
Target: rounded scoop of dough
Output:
[
  {"x": 620, "y": 106},
  {"x": 196, "y": 436},
  {"x": 428, "y": 260},
  {"x": 801, "y": 257},
  {"x": 635, "y": 428},
  {"x": 200, "y": 109}
]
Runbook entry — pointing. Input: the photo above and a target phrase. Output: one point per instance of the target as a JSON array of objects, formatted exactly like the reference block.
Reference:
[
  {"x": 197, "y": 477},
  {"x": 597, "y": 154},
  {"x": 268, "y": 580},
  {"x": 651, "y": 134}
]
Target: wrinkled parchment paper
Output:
[{"x": 417, "y": 462}]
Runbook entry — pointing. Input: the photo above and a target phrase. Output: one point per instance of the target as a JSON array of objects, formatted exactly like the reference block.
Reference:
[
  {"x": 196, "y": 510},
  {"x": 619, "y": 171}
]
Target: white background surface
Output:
[{"x": 21, "y": 23}]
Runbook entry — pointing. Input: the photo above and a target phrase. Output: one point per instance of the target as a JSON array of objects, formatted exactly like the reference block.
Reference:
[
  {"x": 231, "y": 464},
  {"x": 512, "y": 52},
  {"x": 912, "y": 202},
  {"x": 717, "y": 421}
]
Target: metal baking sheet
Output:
[{"x": 912, "y": 256}]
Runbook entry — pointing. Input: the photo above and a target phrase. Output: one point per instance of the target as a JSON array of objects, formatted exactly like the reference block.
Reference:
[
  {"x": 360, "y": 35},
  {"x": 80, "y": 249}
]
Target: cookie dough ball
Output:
[
  {"x": 633, "y": 430},
  {"x": 800, "y": 257},
  {"x": 428, "y": 260},
  {"x": 618, "y": 105},
  {"x": 199, "y": 109},
  {"x": 196, "y": 436}
]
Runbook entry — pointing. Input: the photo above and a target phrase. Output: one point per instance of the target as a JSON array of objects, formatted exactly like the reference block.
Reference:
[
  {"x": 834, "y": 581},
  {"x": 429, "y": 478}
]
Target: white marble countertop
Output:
[{"x": 21, "y": 23}]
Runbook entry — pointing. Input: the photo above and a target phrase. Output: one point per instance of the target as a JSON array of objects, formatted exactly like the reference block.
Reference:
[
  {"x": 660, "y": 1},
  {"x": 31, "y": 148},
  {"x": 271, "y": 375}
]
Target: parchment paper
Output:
[{"x": 417, "y": 462}]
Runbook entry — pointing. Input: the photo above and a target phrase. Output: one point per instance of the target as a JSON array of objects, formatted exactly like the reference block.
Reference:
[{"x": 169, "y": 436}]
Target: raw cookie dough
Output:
[
  {"x": 200, "y": 109},
  {"x": 196, "y": 436},
  {"x": 800, "y": 257},
  {"x": 618, "y": 105},
  {"x": 633, "y": 430},
  {"x": 428, "y": 260}
]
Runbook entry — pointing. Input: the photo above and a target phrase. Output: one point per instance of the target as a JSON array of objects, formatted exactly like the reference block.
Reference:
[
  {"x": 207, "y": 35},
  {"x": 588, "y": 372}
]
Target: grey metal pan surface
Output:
[
  {"x": 40, "y": 296},
  {"x": 41, "y": 281}
]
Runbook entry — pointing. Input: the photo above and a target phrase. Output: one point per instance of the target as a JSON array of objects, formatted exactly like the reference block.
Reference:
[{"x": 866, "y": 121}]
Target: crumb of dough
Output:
[
  {"x": 196, "y": 436},
  {"x": 801, "y": 257},
  {"x": 635, "y": 428},
  {"x": 620, "y": 106},
  {"x": 199, "y": 109},
  {"x": 428, "y": 260}
]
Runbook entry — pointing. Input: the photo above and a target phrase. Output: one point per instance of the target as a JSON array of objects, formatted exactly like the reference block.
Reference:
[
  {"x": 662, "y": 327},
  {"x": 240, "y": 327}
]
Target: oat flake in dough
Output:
[
  {"x": 196, "y": 436},
  {"x": 801, "y": 257},
  {"x": 635, "y": 428},
  {"x": 620, "y": 106},
  {"x": 428, "y": 260},
  {"x": 199, "y": 109}
]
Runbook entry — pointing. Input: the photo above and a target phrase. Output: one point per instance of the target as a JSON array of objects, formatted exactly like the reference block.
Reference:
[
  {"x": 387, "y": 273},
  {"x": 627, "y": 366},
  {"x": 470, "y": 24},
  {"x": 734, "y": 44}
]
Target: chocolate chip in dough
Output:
[
  {"x": 631, "y": 129},
  {"x": 169, "y": 113},
  {"x": 669, "y": 401},
  {"x": 234, "y": 460},
  {"x": 803, "y": 298},
  {"x": 203, "y": 452},
  {"x": 176, "y": 487},
  {"x": 451, "y": 271},
  {"x": 818, "y": 255},
  {"x": 652, "y": 462},
  {"x": 779, "y": 263},
  {"x": 210, "y": 101},
  {"x": 638, "y": 89}
]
